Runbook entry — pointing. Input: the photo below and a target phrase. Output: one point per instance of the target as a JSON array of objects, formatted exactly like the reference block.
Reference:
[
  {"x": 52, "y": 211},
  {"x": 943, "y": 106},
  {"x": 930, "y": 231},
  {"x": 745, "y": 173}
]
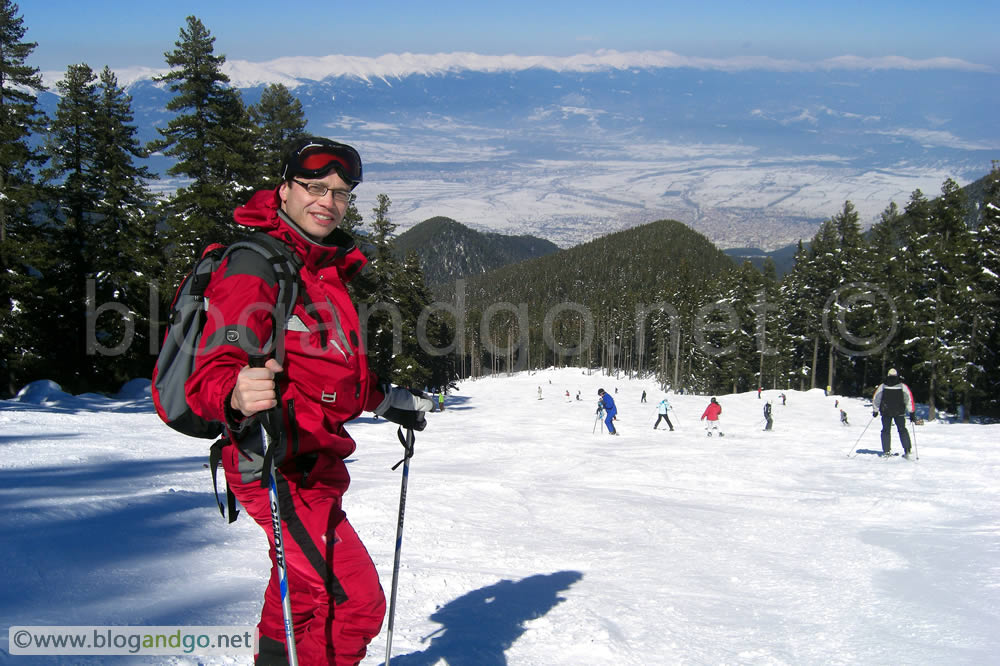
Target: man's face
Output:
[{"x": 316, "y": 216}]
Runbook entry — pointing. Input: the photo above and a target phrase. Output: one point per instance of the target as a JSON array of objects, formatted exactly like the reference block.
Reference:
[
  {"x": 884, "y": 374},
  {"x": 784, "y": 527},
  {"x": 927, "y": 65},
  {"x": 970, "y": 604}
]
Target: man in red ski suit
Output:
[
  {"x": 712, "y": 414},
  {"x": 322, "y": 380}
]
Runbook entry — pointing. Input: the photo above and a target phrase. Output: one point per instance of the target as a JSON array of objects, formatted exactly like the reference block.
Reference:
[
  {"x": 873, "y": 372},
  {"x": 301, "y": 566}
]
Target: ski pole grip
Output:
[{"x": 269, "y": 416}]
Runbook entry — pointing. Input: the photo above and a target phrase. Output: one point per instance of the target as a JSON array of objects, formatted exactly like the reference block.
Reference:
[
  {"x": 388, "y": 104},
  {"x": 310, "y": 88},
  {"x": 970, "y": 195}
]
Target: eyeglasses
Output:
[{"x": 319, "y": 190}]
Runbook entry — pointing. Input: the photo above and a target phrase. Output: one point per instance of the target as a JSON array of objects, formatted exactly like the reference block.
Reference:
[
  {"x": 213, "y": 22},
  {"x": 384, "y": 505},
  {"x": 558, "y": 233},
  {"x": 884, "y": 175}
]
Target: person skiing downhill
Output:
[
  {"x": 767, "y": 416},
  {"x": 320, "y": 382},
  {"x": 712, "y": 413},
  {"x": 893, "y": 399},
  {"x": 661, "y": 413},
  {"x": 610, "y": 411}
]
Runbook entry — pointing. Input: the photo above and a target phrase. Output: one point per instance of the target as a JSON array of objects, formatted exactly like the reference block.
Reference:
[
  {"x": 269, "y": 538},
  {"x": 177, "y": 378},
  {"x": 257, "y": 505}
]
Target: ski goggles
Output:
[{"x": 317, "y": 157}]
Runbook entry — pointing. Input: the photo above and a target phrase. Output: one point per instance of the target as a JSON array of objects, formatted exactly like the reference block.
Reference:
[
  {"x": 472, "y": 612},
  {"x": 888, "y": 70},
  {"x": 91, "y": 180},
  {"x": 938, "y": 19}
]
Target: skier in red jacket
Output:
[
  {"x": 323, "y": 381},
  {"x": 712, "y": 414}
]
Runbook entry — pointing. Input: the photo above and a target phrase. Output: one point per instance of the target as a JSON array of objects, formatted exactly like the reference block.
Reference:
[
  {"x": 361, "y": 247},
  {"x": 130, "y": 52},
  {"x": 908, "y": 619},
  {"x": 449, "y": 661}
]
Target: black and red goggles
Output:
[{"x": 316, "y": 157}]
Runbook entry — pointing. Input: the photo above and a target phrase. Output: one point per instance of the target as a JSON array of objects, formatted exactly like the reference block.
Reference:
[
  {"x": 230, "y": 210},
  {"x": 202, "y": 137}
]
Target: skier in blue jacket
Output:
[{"x": 609, "y": 410}]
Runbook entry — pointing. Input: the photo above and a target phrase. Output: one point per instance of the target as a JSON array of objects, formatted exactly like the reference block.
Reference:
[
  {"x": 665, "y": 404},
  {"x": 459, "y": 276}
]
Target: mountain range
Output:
[{"x": 751, "y": 153}]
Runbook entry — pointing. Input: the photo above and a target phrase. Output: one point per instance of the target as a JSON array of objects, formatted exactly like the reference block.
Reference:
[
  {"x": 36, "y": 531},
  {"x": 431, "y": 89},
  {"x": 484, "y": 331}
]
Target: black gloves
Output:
[
  {"x": 405, "y": 407},
  {"x": 913, "y": 417}
]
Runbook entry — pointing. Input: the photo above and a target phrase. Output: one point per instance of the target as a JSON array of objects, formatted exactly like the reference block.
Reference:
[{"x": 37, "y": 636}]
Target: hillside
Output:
[
  {"x": 643, "y": 260},
  {"x": 449, "y": 250}
]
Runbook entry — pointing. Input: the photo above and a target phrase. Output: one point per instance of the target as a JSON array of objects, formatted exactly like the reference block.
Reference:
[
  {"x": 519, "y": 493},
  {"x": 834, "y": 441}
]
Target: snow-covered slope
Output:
[{"x": 531, "y": 537}]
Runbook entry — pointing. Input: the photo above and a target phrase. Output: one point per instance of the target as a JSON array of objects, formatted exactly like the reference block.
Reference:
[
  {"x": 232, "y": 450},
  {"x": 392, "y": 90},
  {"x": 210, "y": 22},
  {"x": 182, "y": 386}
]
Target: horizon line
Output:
[{"x": 293, "y": 71}]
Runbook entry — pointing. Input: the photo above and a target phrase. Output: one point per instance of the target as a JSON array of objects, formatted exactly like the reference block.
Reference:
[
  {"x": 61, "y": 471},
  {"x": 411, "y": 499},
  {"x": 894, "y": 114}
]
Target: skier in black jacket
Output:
[{"x": 894, "y": 399}]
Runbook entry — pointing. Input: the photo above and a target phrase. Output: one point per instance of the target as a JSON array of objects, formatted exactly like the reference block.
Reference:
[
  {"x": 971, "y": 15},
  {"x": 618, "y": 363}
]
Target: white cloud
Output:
[
  {"x": 291, "y": 70},
  {"x": 937, "y": 138},
  {"x": 393, "y": 65}
]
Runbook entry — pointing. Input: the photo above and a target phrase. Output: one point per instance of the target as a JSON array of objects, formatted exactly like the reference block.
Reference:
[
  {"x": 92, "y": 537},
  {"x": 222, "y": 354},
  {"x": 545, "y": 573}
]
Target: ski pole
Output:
[
  {"x": 407, "y": 443},
  {"x": 855, "y": 445},
  {"x": 269, "y": 423},
  {"x": 600, "y": 415}
]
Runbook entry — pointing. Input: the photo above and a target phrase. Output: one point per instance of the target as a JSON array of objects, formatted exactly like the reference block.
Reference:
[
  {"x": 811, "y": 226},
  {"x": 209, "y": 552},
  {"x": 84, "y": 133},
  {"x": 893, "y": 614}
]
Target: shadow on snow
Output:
[
  {"x": 131, "y": 524},
  {"x": 480, "y": 626}
]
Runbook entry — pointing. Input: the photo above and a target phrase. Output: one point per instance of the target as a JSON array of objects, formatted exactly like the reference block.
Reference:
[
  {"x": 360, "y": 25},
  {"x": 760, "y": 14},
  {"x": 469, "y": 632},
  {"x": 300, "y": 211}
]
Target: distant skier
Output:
[
  {"x": 843, "y": 418},
  {"x": 783, "y": 399},
  {"x": 759, "y": 389},
  {"x": 539, "y": 392},
  {"x": 712, "y": 414},
  {"x": 894, "y": 400},
  {"x": 578, "y": 395},
  {"x": 661, "y": 413},
  {"x": 441, "y": 401},
  {"x": 610, "y": 410},
  {"x": 643, "y": 397},
  {"x": 767, "y": 416}
]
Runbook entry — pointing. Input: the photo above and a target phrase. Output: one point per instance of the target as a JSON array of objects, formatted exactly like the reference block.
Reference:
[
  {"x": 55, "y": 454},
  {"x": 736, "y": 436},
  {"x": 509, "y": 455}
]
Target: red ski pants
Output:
[{"x": 337, "y": 601}]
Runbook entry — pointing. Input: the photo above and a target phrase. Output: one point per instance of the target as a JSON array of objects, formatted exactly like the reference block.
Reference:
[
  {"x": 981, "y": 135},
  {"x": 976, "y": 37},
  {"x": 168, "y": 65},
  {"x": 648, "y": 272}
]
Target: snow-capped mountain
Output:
[{"x": 751, "y": 152}]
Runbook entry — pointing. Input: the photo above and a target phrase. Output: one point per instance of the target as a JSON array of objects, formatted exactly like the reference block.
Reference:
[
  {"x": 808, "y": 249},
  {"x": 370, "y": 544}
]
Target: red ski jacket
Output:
[
  {"x": 326, "y": 381},
  {"x": 712, "y": 412}
]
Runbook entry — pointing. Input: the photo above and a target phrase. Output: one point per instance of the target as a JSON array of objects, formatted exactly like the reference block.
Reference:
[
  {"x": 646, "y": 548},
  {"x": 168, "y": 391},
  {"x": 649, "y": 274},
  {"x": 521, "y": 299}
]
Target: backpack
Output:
[{"x": 176, "y": 360}]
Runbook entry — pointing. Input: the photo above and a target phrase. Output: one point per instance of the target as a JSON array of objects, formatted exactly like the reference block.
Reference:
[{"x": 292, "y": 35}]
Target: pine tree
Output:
[
  {"x": 20, "y": 117},
  {"x": 278, "y": 119},
  {"x": 912, "y": 261},
  {"x": 796, "y": 312},
  {"x": 416, "y": 366},
  {"x": 212, "y": 142},
  {"x": 65, "y": 266},
  {"x": 127, "y": 261},
  {"x": 939, "y": 247},
  {"x": 384, "y": 325},
  {"x": 984, "y": 357},
  {"x": 738, "y": 307},
  {"x": 954, "y": 293}
]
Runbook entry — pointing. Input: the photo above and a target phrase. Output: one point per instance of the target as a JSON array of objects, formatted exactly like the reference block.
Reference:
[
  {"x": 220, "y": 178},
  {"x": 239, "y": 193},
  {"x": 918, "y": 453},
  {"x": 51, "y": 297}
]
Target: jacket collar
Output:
[{"x": 263, "y": 213}]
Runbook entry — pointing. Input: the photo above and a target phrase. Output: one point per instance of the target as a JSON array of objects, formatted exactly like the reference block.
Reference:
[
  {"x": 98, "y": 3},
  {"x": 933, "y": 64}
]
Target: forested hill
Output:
[
  {"x": 449, "y": 250},
  {"x": 660, "y": 261}
]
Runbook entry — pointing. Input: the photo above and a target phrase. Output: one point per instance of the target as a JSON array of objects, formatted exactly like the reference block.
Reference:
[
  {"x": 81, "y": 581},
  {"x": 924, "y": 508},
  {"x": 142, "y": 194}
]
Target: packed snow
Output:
[{"x": 532, "y": 537}]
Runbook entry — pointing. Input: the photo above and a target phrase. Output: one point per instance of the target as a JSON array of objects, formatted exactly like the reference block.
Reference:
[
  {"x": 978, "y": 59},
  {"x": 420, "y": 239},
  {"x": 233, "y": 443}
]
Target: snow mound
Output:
[
  {"x": 136, "y": 389},
  {"x": 42, "y": 392}
]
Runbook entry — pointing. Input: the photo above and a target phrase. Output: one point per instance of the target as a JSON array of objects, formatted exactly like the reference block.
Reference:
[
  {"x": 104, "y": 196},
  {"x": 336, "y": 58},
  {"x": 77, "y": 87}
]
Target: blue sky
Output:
[{"x": 122, "y": 34}]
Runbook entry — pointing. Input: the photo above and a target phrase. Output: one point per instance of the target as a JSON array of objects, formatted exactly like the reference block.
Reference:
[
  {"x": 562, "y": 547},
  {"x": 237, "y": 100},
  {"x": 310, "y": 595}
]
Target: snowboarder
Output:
[
  {"x": 712, "y": 414},
  {"x": 661, "y": 413},
  {"x": 334, "y": 592},
  {"x": 767, "y": 416},
  {"x": 843, "y": 417},
  {"x": 894, "y": 399},
  {"x": 610, "y": 411}
]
